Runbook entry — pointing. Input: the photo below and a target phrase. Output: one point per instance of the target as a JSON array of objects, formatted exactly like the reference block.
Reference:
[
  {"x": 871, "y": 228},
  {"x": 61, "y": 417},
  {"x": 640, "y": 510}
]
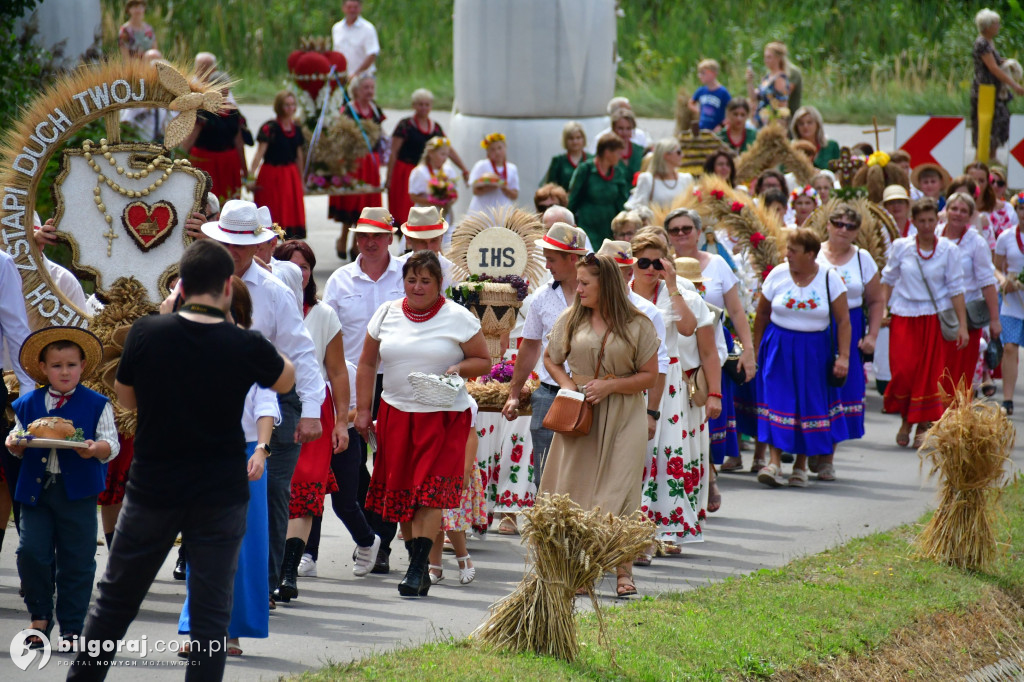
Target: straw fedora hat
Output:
[
  {"x": 424, "y": 222},
  {"x": 620, "y": 252},
  {"x": 375, "y": 220},
  {"x": 564, "y": 237},
  {"x": 915, "y": 175},
  {"x": 895, "y": 193},
  {"x": 689, "y": 268},
  {"x": 38, "y": 340},
  {"x": 240, "y": 223}
]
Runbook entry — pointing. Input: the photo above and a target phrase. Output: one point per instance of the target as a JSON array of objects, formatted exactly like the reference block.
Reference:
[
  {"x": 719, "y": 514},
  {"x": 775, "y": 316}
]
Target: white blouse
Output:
[
  {"x": 719, "y": 279},
  {"x": 650, "y": 190},
  {"x": 976, "y": 263},
  {"x": 801, "y": 309},
  {"x": 1008, "y": 245},
  {"x": 494, "y": 198},
  {"x": 856, "y": 273},
  {"x": 942, "y": 268},
  {"x": 323, "y": 325}
]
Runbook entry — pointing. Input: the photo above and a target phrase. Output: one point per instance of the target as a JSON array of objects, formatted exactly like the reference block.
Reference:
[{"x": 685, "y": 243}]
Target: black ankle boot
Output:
[
  {"x": 179, "y": 565},
  {"x": 416, "y": 582},
  {"x": 289, "y": 587}
]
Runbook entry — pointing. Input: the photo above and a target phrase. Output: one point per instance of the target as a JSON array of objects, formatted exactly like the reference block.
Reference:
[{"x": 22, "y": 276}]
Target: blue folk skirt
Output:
[
  {"x": 851, "y": 395},
  {"x": 797, "y": 411}
]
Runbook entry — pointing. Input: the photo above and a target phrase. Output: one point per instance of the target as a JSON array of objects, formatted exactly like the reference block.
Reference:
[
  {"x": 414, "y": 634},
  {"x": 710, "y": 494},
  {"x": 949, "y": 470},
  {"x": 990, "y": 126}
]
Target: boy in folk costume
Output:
[{"x": 57, "y": 487}]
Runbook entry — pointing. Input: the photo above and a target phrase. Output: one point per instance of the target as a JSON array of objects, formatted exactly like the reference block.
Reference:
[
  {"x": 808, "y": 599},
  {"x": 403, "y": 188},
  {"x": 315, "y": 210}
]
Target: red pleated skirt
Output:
[
  {"x": 964, "y": 362},
  {"x": 225, "y": 168},
  {"x": 279, "y": 188},
  {"x": 346, "y": 209},
  {"x": 399, "y": 201},
  {"x": 312, "y": 480},
  {"x": 117, "y": 473},
  {"x": 919, "y": 357},
  {"x": 420, "y": 461}
]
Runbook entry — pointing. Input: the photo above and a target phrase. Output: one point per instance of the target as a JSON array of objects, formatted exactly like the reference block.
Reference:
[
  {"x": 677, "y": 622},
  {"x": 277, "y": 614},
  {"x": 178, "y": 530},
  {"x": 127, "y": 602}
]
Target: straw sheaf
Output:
[
  {"x": 342, "y": 144},
  {"x": 494, "y": 394},
  {"x": 876, "y": 178},
  {"x": 526, "y": 225},
  {"x": 771, "y": 149},
  {"x": 877, "y": 228}
]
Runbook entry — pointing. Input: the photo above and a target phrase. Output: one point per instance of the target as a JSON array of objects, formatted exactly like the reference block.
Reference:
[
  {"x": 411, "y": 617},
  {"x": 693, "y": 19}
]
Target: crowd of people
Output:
[{"x": 685, "y": 359}]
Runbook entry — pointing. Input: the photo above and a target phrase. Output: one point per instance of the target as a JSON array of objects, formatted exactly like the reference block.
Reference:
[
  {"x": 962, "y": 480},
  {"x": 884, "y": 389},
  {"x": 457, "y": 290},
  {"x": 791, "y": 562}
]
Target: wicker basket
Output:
[{"x": 435, "y": 389}]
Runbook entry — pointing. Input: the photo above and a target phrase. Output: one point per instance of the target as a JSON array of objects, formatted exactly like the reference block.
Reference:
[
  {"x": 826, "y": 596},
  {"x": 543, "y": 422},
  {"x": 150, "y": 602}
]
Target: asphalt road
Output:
[{"x": 339, "y": 617}]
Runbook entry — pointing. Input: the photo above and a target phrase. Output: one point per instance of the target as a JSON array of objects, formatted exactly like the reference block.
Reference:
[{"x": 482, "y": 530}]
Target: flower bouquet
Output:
[
  {"x": 441, "y": 191},
  {"x": 491, "y": 390}
]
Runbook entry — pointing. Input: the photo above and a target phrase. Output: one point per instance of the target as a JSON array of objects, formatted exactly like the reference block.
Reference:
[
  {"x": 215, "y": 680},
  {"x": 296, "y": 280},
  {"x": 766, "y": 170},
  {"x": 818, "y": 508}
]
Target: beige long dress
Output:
[{"x": 604, "y": 468}]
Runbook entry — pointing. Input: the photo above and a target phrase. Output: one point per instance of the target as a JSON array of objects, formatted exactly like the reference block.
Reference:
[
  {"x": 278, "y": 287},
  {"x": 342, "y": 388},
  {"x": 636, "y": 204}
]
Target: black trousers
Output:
[
  {"x": 143, "y": 538},
  {"x": 385, "y": 529}
]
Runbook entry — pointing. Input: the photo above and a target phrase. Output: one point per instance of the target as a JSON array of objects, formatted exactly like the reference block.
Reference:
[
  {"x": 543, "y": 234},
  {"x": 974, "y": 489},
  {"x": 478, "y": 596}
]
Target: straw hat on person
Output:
[
  {"x": 240, "y": 223},
  {"x": 620, "y": 252},
  {"x": 38, "y": 340},
  {"x": 375, "y": 220},
  {"x": 915, "y": 175},
  {"x": 689, "y": 268},
  {"x": 565, "y": 238},
  {"x": 424, "y": 222},
  {"x": 895, "y": 193}
]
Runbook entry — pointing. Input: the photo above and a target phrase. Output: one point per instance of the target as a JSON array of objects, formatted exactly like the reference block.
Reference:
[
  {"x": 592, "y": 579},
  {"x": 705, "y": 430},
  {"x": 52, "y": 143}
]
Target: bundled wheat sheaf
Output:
[
  {"x": 569, "y": 549},
  {"x": 341, "y": 144},
  {"x": 526, "y": 225},
  {"x": 969, "y": 448},
  {"x": 494, "y": 394},
  {"x": 771, "y": 149},
  {"x": 877, "y": 228}
]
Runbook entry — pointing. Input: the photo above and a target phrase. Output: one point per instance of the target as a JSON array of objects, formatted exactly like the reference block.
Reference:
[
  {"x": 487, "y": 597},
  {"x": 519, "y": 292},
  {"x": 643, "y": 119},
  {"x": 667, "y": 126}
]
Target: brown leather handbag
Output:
[{"x": 570, "y": 414}]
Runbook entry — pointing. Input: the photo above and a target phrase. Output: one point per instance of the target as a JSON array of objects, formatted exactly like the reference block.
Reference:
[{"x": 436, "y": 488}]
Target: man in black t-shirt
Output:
[{"x": 188, "y": 374}]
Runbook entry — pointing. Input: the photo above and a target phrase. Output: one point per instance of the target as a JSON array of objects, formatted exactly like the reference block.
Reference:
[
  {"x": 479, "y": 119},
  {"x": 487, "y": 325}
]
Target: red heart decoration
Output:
[{"x": 149, "y": 224}]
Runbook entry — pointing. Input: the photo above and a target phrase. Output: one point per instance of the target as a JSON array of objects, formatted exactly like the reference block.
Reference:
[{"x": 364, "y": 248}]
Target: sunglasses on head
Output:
[
  {"x": 590, "y": 259},
  {"x": 685, "y": 229},
  {"x": 644, "y": 263},
  {"x": 845, "y": 226}
]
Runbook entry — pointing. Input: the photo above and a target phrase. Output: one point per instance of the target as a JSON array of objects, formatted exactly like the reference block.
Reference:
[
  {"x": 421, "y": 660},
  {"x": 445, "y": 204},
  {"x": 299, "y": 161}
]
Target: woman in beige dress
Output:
[{"x": 605, "y": 468}]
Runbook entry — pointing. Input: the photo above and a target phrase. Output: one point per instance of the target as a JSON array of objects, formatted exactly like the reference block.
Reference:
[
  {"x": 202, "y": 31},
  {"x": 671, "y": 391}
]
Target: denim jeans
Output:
[
  {"x": 280, "y": 467},
  {"x": 144, "y": 536},
  {"x": 61, "y": 530},
  {"x": 540, "y": 402}
]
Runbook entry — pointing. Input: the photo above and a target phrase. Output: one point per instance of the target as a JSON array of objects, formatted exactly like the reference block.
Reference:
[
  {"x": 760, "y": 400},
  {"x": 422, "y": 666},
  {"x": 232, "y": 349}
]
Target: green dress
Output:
[
  {"x": 595, "y": 200},
  {"x": 827, "y": 153},
  {"x": 633, "y": 163},
  {"x": 561, "y": 169},
  {"x": 748, "y": 140}
]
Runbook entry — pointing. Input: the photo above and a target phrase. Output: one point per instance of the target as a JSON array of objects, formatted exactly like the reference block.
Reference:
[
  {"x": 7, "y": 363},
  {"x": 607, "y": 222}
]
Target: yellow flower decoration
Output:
[
  {"x": 880, "y": 159},
  {"x": 491, "y": 139}
]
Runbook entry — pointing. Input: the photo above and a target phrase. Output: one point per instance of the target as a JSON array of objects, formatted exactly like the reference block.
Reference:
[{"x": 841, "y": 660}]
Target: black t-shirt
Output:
[
  {"x": 282, "y": 148},
  {"x": 190, "y": 382}
]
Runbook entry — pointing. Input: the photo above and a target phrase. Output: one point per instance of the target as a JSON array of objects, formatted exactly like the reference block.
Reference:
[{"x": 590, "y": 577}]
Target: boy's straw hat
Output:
[{"x": 38, "y": 340}]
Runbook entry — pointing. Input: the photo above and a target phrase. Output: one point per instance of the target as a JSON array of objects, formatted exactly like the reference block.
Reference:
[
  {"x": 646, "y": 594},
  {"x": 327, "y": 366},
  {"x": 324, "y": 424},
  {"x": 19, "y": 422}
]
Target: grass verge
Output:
[{"x": 821, "y": 612}]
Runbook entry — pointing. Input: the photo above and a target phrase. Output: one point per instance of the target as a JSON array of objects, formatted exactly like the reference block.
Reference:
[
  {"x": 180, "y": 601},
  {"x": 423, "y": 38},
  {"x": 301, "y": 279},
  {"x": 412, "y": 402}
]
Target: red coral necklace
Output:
[{"x": 424, "y": 315}]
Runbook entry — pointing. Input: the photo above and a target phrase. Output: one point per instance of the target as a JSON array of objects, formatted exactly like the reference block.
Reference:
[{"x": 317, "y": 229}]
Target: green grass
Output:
[{"x": 844, "y": 601}]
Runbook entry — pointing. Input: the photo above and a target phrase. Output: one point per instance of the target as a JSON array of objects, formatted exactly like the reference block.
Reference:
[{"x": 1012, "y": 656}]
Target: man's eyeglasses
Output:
[
  {"x": 850, "y": 227},
  {"x": 644, "y": 263}
]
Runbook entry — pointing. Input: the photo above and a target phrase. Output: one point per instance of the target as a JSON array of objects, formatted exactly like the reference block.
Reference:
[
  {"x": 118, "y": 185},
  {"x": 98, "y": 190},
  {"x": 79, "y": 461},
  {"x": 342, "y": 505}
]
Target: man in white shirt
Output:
[
  {"x": 563, "y": 245},
  {"x": 356, "y": 38},
  {"x": 355, "y": 292},
  {"x": 286, "y": 271},
  {"x": 275, "y": 314}
]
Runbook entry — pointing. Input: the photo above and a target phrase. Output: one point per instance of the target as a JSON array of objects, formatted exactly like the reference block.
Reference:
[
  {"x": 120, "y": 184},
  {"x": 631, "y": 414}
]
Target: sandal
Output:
[
  {"x": 624, "y": 587},
  {"x": 988, "y": 389},
  {"x": 669, "y": 548},
  {"x": 758, "y": 464},
  {"x": 903, "y": 436},
  {"x": 769, "y": 475},
  {"x": 922, "y": 431},
  {"x": 1008, "y": 407},
  {"x": 798, "y": 478},
  {"x": 34, "y": 641},
  {"x": 731, "y": 464},
  {"x": 508, "y": 526},
  {"x": 714, "y": 498},
  {"x": 435, "y": 578},
  {"x": 234, "y": 650},
  {"x": 826, "y": 472},
  {"x": 467, "y": 572},
  {"x": 642, "y": 560}
]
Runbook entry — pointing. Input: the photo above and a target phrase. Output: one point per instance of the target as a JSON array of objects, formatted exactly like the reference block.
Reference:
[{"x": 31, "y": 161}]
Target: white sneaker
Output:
[
  {"x": 307, "y": 566},
  {"x": 366, "y": 557}
]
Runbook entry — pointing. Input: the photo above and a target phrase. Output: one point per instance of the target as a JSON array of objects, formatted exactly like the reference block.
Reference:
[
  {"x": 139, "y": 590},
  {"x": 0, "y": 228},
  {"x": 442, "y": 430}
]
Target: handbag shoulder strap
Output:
[
  {"x": 828, "y": 297},
  {"x": 600, "y": 355},
  {"x": 925, "y": 280}
]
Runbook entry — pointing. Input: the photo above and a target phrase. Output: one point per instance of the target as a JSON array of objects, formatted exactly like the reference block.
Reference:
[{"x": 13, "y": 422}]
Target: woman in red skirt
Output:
[
  {"x": 279, "y": 183},
  {"x": 215, "y": 146},
  {"x": 420, "y": 459},
  {"x": 922, "y": 279},
  {"x": 346, "y": 209}
]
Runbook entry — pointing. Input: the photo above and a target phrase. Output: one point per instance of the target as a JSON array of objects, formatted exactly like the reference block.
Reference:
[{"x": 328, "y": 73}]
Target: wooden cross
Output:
[
  {"x": 875, "y": 129},
  {"x": 111, "y": 236}
]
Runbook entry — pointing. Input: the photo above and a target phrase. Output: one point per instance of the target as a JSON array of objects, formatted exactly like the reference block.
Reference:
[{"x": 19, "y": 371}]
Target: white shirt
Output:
[
  {"x": 1008, "y": 247},
  {"x": 259, "y": 402},
  {"x": 67, "y": 283},
  {"x": 652, "y": 312},
  {"x": 323, "y": 325},
  {"x": 356, "y": 42},
  {"x": 106, "y": 430},
  {"x": 719, "y": 280},
  {"x": 855, "y": 273},
  {"x": 801, "y": 309},
  {"x": 548, "y": 304},
  {"x": 274, "y": 315},
  {"x": 290, "y": 275},
  {"x": 430, "y": 347},
  {"x": 650, "y": 190},
  {"x": 420, "y": 177},
  {"x": 355, "y": 298},
  {"x": 446, "y": 268},
  {"x": 13, "y": 318},
  {"x": 909, "y": 295},
  {"x": 975, "y": 262},
  {"x": 639, "y": 137},
  {"x": 689, "y": 353},
  {"x": 495, "y": 198}
]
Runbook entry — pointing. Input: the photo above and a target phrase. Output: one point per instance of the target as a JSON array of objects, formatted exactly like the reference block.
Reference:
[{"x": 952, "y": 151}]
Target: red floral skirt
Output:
[
  {"x": 225, "y": 169},
  {"x": 918, "y": 356},
  {"x": 279, "y": 188},
  {"x": 346, "y": 209},
  {"x": 420, "y": 462},
  {"x": 312, "y": 480},
  {"x": 399, "y": 201},
  {"x": 117, "y": 473}
]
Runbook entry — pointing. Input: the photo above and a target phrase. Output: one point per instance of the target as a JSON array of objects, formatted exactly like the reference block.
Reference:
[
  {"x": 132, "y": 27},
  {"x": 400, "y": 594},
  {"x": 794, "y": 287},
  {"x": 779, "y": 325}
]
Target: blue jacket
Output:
[{"x": 82, "y": 477}]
